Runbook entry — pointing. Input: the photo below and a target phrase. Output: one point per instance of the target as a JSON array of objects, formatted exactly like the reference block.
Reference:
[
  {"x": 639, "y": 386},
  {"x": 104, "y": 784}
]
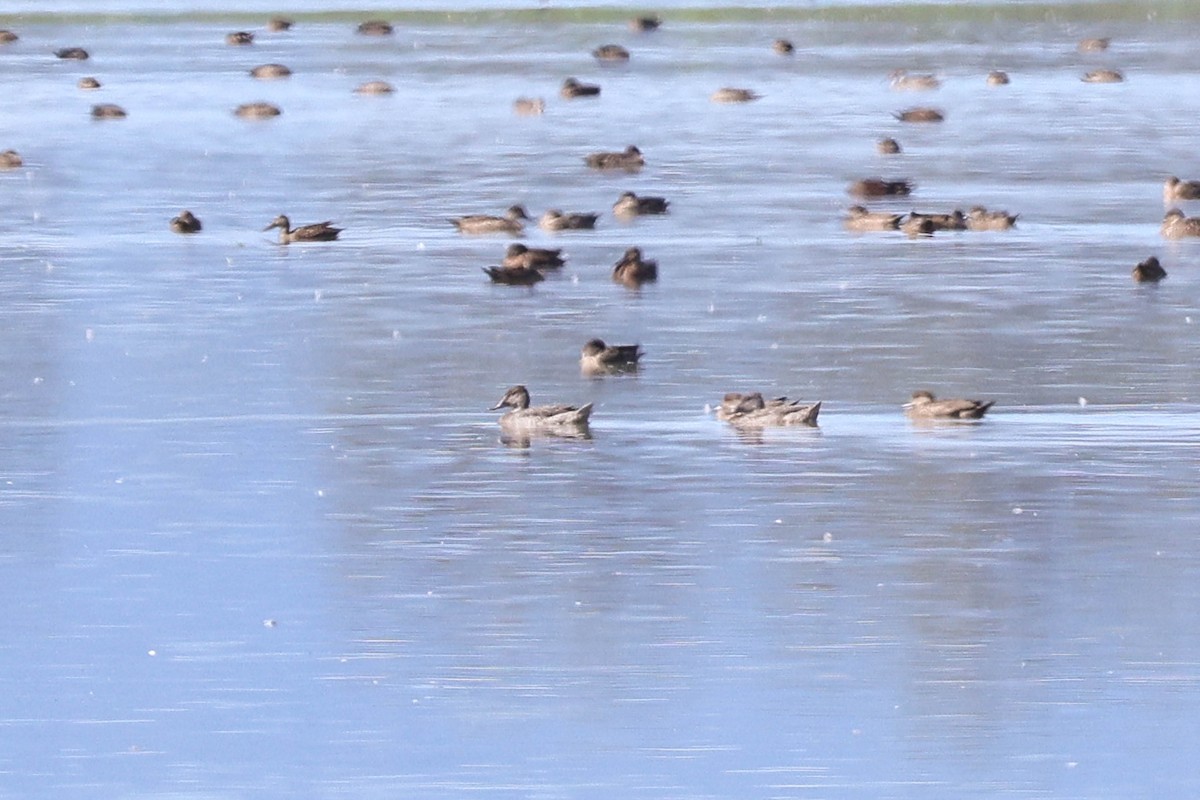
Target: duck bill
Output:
[
  {"x": 272, "y": 225},
  {"x": 497, "y": 407}
]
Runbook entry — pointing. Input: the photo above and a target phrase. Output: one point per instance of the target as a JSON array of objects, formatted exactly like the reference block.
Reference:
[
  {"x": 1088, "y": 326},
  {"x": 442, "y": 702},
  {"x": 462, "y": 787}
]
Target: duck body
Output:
[
  {"x": 72, "y": 54},
  {"x": 859, "y": 218},
  {"x": 257, "y": 111},
  {"x": 1177, "y": 226},
  {"x": 515, "y": 276},
  {"x": 1103, "y": 76},
  {"x": 375, "y": 27},
  {"x": 731, "y": 94},
  {"x": 108, "y": 111},
  {"x": 610, "y": 52},
  {"x": 904, "y": 81},
  {"x": 316, "y": 232},
  {"x": 529, "y": 106},
  {"x": 186, "y": 222},
  {"x": 632, "y": 270},
  {"x": 572, "y": 89},
  {"x": 524, "y": 418},
  {"x": 953, "y": 221},
  {"x": 598, "y": 358},
  {"x": 10, "y": 159},
  {"x": 1149, "y": 271},
  {"x": 783, "y": 47},
  {"x": 630, "y": 205},
  {"x": 924, "y": 404},
  {"x": 887, "y": 147},
  {"x": 555, "y": 220},
  {"x": 997, "y": 77},
  {"x": 1175, "y": 189},
  {"x": 752, "y": 411},
  {"x": 239, "y": 38},
  {"x": 878, "y": 187},
  {"x": 980, "y": 219},
  {"x": 920, "y": 115},
  {"x": 511, "y": 223},
  {"x": 267, "y": 72},
  {"x": 629, "y": 159},
  {"x": 539, "y": 258}
]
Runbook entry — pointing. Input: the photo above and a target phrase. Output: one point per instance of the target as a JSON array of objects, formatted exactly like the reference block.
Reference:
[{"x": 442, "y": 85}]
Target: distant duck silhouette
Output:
[
  {"x": 783, "y": 47},
  {"x": 922, "y": 114},
  {"x": 257, "y": 111},
  {"x": 515, "y": 276},
  {"x": 72, "y": 54},
  {"x": 375, "y": 27},
  {"x": 108, "y": 111},
  {"x": 1149, "y": 271},
  {"x": 997, "y": 78},
  {"x": 611, "y": 52},
  {"x": 980, "y": 219},
  {"x": 644, "y": 24},
  {"x": 529, "y": 106},
  {"x": 1103, "y": 76},
  {"x": 1175, "y": 190},
  {"x": 630, "y": 159},
  {"x": 270, "y": 72},
  {"x": 186, "y": 222},
  {"x": 904, "y": 81},
  {"x": 887, "y": 147},
  {"x": 732, "y": 95},
  {"x": 572, "y": 88},
  {"x": 10, "y": 159},
  {"x": 878, "y": 187},
  {"x": 239, "y": 38},
  {"x": 88, "y": 83},
  {"x": 860, "y": 219}
]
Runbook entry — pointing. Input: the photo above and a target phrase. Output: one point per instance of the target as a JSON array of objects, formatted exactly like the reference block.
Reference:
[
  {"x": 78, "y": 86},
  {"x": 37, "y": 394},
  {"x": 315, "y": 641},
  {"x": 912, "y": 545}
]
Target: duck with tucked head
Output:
[
  {"x": 610, "y": 52},
  {"x": 997, "y": 77},
  {"x": 555, "y": 220},
  {"x": 1177, "y": 226},
  {"x": 557, "y": 419},
  {"x": 629, "y": 159},
  {"x": 783, "y": 47},
  {"x": 632, "y": 270},
  {"x": 186, "y": 222},
  {"x": 920, "y": 115},
  {"x": 539, "y": 258},
  {"x": 887, "y": 147},
  {"x": 1175, "y": 189},
  {"x": 316, "y": 232},
  {"x": 924, "y": 404},
  {"x": 598, "y": 358},
  {"x": 239, "y": 38},
  {"x": 513, "y": 222},
  {"x": 752, "y": 411},
  {"x": 980, "y": 219},
  {"x": 859, "y": 219},
  {"x": 631, "y": 205},
  {"x": 952, "y": 221},
  {"x": 10, "y": 159},
  {"x": 904, "y": 81},
  {"x": 1149, "y": 271},
  {"x": 878, "y": 187}
]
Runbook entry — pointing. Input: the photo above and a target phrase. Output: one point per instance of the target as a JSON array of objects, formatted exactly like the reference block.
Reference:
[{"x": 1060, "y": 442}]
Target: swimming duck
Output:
[
  {"x": 108, "y": 111},
  {"x": 729, "y": 94},
  {"x": 515, "y": 276},
  {"x": 10, "y": 159},
  {"x": 644, "y": 24},
  {"x": 547, "y": 419},
  {"x": 186, "y": 222},
  {"x": 1103, "y": 76},
  {"x": 1175, "y": 189},
  {"x": 922, "y": 114},
  {"x": 611, "y": 52},
  {"x": 257, "y": 111},
  {"x": 7, "y": 36},
  {"x": 924, "y": 404},
  {"x": 239, "y": 38},
  {"x": 555, "y": 220},
  {"x": 374, "y": 87},
  {"x": 752, "y": 411},
  {"x": 859, "y": 218},
  {"x": 375, "y": 27},
  {"x": 1177, "y": 226},
  {"x": 529, "y": 106},
  {"x": 918, "y": 226},
  {"x": 598, "y": 358},
  {"x": 539, "y": 258},
  {"x": 878, "y": 187},
  {"x": 1149, "y": 271},
  {"x": 1096, "y": 45},
  {"x": 278, "y": 24},
  {"x": 316, "y": 232},
  {"x": 783, "y": 47},
  {"x": 903, "y": 81},
  {"x": 630, "y": 159},
  {"x": 512, "y": 222},
  {"x": 88, "y": 83},
  {"x": 630, "y": 205},
  {"x": 997, "y": 77},
  {"x": 953, "y": 221},
  {"x": 632, "y": 270},
  {"x": 72, "y": 54},
  {"x": 887, "y": 147},
  {"x": 980, "y": 219},
  {"x": 268, "y": 72},
  {"x": 572, "y": 88}
]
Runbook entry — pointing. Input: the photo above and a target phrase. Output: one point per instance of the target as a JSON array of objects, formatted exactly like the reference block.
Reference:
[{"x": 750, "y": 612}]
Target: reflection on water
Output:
[{"x": 262, "y": 535}]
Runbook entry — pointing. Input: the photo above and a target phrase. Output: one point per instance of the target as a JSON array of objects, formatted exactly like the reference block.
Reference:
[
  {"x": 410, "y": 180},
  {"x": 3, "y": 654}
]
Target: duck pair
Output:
[{"x": 514, "y": 219}]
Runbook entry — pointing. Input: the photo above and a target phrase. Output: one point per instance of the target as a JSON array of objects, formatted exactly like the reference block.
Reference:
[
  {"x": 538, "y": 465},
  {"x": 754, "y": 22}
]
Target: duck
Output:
[
  {"x": 887, "y": 147},
  {"x": 10, "y": 159},
  {"x": 783, "y": 47},
  {"x": 918, "y": 226},
  {"x": 239, "y": 38},
  {"x": 375, "y": 27},
  {"x": 539, "y": 258},
  {"x": 630, "y": 205},
  {"x": 267, "y": 72},
  {"x": 186, "y": 222},
  {"x": 752, "y": 411},
  {"x": 279, "y": 24},
  {"x": 610, "y": 52},
  {"x": 1093, "y": 45},
  {"x": 858, "y": 218},
  {"x": 257, "y": 111},
  {"x": 598, "y": 358},
  {"x": 529, "y": 106},
  {"x": 902, "y": 81},
  {"x": 108, "y": 111},
  {"x": 629, "y": 159},
  {"x": 572, "y": 88},
  {"x": 1103, "y": 76},
  {"x": 515, "y": 276},
  {"x": 980, "y": 219},
  {"x": 924, "y": 404},
  {"x": 512, "y": 222},
  {"x": 920, "y": 114},
  {"x": 953, "y": 221},
  {"x": 1177, "y": 226},
  {"x": 72, "y": 54},
  {"x": 878, "y": 187},
  {"x": 555, "y": 220},
  {"x": 547, "y": 419},
  {"x": 730, "y": 94},
  {"x": 7, "y": 36},
  {"x": 316, "y": 232},
  {"x": 632, "y": 270},
  {"x": 1175, "y": 189},
  {"x": 374, "y": 87},
  {"x": 1149, "y": 271},
  {"x": 644, "y": 24},
  {"x": 997, "y": 77},
  {"x": 88, "y": 83}
]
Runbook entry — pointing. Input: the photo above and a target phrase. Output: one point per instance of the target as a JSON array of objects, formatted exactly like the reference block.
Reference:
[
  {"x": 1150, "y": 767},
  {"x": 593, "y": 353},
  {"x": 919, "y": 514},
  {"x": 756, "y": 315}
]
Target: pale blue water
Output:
[{"x": 258, "y": 534}]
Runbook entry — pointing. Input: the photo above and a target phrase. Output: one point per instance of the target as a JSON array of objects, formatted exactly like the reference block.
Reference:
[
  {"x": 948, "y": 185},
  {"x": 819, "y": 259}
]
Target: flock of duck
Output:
[{"x": 524, "y": 266}]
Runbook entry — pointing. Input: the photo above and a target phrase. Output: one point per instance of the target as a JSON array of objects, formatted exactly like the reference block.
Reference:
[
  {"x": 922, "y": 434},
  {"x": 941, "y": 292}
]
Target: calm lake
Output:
[{"x": 260, "y": 536}]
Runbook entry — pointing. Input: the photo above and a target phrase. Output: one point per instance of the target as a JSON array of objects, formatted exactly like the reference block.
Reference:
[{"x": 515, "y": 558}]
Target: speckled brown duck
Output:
[
  {"x": 1176, "y": 225},
  {"x": 921, "y": 114},
  {"x": 859, "y": 219},
  {"x": 980, "y": 219},
  {"x": 905, "y": 81},
  {"x": 632, "y": 205},
  {"x": 598, "y": 358},
  {"x": 629, "y": 159},
  {"x": 10, "y": 159},
  {"x": 633, "y": 270},
  {"x": 315, "y": 232},
  {"x": 513, "y": 222},
  {"x": 1175, "y": 190},
  {"x": 524, "y": 418},
  {"x": 610, "y": 53},
  {"x": 730, "y": 94},
  {"x": 1149, "y": 271},
  {"x": 555, "y": 220},
  {"x": 186, "y": 222},
  {"x": 924, "y": 404},
  {"x": 539, "y": 258},
  {"x": 753, "y": 411}
]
